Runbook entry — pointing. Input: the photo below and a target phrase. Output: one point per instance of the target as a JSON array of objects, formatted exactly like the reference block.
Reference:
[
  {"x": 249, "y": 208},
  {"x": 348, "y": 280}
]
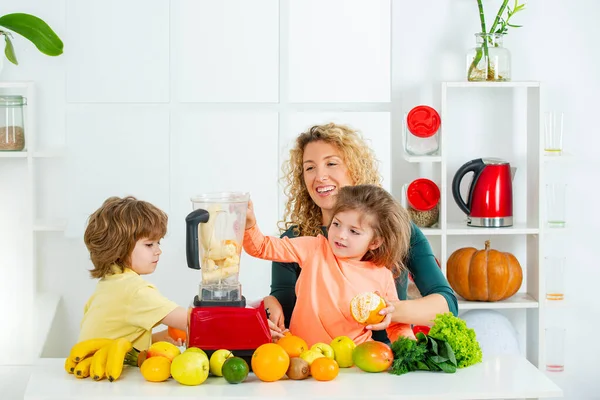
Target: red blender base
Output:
[{"x": 239, "y": 329}]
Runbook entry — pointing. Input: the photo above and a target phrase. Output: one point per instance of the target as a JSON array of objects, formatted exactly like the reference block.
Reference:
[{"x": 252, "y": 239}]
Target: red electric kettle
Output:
[{"x": 490, "y": 202}]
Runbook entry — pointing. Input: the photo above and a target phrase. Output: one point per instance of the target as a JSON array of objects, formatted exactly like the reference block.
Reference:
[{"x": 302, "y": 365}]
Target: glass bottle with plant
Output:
[
  {"x": 32, "y": 28},
  {"x": 489, "y": 60}
]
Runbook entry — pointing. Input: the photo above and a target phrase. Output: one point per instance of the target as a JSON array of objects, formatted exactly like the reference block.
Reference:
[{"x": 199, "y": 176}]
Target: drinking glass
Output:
[
  {"x": 555, "y": 278},
  {"x": 553, "y": 133},
  {"x": 556, "y": 203},
  {"x": 555, "y": 349}
]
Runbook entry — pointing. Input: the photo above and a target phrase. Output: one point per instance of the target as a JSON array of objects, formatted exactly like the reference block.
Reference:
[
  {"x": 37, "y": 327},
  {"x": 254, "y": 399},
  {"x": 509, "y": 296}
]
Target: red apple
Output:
[{"x": 373, "y": 356}]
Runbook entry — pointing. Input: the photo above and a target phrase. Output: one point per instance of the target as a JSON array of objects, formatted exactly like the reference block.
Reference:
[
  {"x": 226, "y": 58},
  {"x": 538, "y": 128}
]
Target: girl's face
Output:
[
  {"x": 350, "y": 236},
  {"x": 144, "y": 257},
  {"x": 324, "y": 174}
]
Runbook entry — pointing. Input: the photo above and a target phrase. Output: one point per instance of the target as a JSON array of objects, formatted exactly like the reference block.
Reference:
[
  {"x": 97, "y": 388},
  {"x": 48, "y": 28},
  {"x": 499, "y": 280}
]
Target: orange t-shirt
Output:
[{"x": 326, "y": 286}]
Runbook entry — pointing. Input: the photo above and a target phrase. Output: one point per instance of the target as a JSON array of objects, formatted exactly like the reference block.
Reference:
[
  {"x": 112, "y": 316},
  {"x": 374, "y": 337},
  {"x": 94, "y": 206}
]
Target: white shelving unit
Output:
[
  {"x": 522, "y": 145},
  {"x": 39, "y": 307}
]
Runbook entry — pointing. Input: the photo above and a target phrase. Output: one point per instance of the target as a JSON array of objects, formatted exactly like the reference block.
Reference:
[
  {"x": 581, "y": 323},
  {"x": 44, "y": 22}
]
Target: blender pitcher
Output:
[{"x": 214, "y": 234}]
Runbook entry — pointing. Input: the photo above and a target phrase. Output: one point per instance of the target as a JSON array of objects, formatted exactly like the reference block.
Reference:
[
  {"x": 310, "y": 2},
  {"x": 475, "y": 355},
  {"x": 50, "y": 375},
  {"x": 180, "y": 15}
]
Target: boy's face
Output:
[
  {"x": 145, "y": 256},
  {"x": 350, "y": 236}
]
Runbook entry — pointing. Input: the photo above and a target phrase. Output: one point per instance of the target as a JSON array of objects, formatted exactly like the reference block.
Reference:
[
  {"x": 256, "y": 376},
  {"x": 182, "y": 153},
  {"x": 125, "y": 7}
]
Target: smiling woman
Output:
[{"x": 323, "y": 160}]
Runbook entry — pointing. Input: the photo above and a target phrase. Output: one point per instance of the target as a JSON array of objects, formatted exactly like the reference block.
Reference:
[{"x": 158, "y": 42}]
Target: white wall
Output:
[{"x": 165, "y": 99}]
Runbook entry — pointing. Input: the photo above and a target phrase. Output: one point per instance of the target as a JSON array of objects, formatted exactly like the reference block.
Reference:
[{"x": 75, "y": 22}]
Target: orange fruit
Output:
[
  {"x": 365, "y": 308},
  {"x": 270, "y": 362},
  {"x": 175, "y": 334},
  {"x": 287, "y": 333},
  {"x": 293, "y": 345},
  {"x": 324, "y": 369}
]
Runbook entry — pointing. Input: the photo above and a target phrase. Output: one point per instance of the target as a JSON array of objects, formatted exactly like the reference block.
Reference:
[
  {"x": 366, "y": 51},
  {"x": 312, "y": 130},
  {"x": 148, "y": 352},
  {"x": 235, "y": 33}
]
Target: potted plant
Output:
[
  {"x": 489, "y": 60},
  {"x": 32, "y": 28}
]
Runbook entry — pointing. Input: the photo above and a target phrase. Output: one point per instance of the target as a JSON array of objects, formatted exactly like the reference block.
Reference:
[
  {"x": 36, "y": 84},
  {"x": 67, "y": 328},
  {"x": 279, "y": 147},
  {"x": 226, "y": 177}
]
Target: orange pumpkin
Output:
[{"x": 484, "y": 275}]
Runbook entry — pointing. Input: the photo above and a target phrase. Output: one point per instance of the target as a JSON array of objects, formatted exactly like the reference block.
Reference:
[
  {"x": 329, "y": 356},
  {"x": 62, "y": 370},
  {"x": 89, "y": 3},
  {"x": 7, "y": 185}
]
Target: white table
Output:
[{"x": 505, "y": 377}]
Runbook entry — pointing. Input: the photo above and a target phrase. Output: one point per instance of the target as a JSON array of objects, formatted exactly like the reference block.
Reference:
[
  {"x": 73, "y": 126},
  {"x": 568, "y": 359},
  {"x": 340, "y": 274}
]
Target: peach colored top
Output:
[{"x": 326, "y": 286}]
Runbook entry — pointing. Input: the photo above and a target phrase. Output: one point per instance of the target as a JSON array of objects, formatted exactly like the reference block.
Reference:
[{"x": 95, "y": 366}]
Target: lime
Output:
[{"x": 235, "y": 370}]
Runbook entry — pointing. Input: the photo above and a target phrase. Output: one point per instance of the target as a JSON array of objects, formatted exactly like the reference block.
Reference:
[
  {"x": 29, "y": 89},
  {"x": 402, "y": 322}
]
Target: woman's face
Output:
[{"x": 324, "y": 174}]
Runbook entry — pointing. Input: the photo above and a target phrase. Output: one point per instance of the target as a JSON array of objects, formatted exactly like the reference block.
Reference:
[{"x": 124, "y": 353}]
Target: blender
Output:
[{"x": 219, "y": 317}]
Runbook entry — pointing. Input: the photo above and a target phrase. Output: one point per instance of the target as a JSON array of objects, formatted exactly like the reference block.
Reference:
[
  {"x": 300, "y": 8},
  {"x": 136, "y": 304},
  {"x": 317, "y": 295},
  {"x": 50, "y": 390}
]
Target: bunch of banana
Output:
[{"x": 102, "y": 358}]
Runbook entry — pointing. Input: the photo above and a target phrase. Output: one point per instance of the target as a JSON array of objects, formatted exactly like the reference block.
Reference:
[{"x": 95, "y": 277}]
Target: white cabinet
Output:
[
  {"x": 30, "y": 313},
  {"x": 501, "y": 120}
]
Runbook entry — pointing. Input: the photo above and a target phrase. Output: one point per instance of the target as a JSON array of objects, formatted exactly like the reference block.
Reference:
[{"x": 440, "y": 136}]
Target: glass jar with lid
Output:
[
  {"x": 421, "y": 135},
  {"x": 12, "y": 127},
  {"x": 423, "y": 197}
]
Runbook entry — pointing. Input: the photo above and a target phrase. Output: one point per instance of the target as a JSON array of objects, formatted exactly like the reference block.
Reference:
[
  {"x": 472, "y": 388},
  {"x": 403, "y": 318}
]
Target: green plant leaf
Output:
[
  {"x": 9, "y": 50},
  {"x": 35, "y": 30}
]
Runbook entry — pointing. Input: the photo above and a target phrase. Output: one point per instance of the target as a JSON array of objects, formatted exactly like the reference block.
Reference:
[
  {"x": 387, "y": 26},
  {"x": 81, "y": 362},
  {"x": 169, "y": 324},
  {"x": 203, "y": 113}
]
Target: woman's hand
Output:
[
  {"x": 250, "y": 217},
  {"x": 387, "y": 320}
]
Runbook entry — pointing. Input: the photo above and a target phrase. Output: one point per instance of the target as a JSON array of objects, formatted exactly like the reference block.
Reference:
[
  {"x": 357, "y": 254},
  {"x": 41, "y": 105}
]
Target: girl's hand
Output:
[
  {"x": 250, "y": 217},
  {"x": 387, "y": 320},
  {"x": 275, "y": 312},
  {"x": 276, "y": 332}
]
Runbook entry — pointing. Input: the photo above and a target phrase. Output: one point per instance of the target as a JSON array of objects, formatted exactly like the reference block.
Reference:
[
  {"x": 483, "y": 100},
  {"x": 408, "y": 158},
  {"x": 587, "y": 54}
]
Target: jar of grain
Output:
[
  {"x": 12, "y": 129},
  {"x": 423, "y": 206}
]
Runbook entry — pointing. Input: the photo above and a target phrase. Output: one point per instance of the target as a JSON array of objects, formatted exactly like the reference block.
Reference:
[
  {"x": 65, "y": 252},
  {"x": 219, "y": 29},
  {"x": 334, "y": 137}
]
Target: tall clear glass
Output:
[
  {"x": 555, "y": 278},
  {"x": 556, "y": 199},
  {"x": 489, "y": 60},
  {"x": 553, "y": 133},
  {"x": 555, "y": 349}
]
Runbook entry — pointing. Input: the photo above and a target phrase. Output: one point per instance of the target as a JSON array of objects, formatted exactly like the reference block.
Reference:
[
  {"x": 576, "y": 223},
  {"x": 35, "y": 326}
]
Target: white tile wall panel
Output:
[
  {"x": 225, "y": 50},
  {"x": 117, "y": 51},
  {"x": 115, "y": 150},
  {"x": 339, "y": 50}
]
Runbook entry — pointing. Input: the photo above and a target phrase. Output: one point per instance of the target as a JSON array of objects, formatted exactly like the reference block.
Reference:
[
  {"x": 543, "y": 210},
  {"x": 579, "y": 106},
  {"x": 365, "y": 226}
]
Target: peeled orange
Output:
[{"x": 365, "y": 308}]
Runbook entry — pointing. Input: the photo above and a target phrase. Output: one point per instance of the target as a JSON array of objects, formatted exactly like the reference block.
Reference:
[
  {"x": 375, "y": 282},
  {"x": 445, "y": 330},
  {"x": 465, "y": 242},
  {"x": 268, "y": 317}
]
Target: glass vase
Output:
[{"x": 489, "y": 60}]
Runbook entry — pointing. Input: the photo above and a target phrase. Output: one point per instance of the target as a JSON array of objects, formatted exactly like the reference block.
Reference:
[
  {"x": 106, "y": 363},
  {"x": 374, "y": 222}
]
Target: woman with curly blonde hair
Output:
[{"x": 324, "y": 159}]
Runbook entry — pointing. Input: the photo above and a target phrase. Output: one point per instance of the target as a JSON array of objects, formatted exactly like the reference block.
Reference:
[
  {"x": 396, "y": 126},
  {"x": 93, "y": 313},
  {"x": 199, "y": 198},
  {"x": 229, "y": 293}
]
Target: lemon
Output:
[{"x": 156, "y": 369}]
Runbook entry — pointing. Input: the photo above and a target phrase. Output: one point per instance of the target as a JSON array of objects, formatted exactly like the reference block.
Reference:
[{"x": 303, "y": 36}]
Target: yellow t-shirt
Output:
[{"x": 124, "y": 306}]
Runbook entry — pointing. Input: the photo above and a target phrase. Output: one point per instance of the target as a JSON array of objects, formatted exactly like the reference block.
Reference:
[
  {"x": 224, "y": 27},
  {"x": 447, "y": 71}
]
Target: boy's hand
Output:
[{"x": 250, "y": 217}]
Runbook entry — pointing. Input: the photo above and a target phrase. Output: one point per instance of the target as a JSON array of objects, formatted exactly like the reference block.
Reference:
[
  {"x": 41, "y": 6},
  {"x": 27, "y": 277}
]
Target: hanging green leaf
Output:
[
  {"x": 35, "y": 30},
  {"x": 9, "y": 50}
]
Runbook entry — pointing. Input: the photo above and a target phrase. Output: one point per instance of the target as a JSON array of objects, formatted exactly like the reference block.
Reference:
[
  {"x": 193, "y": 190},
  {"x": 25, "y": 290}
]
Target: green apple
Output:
[
  {"x": 324, "y": 349},
  {"x": 217, "y": 360},
  {"x": 190, "y": 368},
  {"x": 310, "y": 355},
  {"x": 343, "y": 347}
]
